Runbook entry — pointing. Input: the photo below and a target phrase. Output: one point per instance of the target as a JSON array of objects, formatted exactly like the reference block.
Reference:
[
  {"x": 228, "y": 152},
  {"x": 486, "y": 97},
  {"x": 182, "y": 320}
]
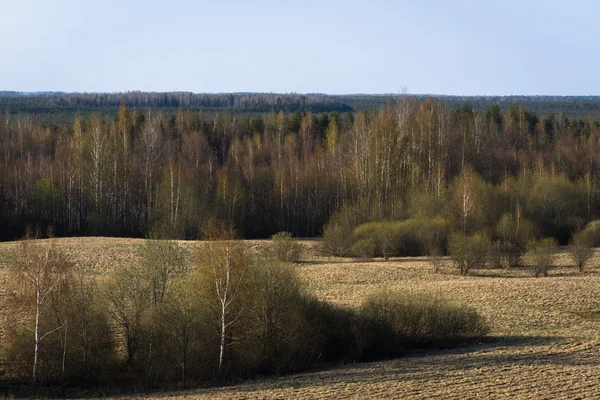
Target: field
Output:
[{"x": 544, "y": 341}]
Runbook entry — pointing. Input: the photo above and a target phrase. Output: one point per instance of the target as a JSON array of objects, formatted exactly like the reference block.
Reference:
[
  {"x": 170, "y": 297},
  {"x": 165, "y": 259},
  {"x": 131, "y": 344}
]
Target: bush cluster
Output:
[
  {"x": 434, "y": 237},
  {"x": 387, "y": 239},
  {"x": 160, "y": 324}
]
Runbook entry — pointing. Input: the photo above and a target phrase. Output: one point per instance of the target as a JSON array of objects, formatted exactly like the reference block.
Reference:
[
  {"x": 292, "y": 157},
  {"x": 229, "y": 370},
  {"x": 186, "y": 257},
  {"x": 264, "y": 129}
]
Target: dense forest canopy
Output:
[{"x": 128, "y": 164}]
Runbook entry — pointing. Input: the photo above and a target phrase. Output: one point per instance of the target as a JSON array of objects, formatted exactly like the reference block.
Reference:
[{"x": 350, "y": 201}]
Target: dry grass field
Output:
[{"x": 545, "y": 332}]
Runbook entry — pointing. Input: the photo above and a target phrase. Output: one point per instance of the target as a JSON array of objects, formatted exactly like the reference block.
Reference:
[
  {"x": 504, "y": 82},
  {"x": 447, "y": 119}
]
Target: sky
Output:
[{"x": 338, "y": 47}]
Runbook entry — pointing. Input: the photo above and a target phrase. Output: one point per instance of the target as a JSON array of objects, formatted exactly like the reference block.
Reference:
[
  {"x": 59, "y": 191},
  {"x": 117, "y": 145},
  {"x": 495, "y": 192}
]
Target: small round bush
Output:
[
  {"x": 364, "y": 249},
  {"x": 286, "y": 249}
]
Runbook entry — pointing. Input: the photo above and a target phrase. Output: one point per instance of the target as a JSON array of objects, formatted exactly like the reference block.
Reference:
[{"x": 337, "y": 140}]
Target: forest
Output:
[
  {"x": 139, "y": 171},
  {"x": 489, "y": 187}
]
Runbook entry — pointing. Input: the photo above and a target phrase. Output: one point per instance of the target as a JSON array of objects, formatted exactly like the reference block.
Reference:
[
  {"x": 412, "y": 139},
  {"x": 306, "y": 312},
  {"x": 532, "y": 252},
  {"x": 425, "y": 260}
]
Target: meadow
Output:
[{"x": 544, "y": 339}]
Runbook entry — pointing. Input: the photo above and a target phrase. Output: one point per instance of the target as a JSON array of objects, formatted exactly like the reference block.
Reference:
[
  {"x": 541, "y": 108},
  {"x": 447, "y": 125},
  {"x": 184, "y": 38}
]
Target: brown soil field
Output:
[{"x": 544, "y": 341}]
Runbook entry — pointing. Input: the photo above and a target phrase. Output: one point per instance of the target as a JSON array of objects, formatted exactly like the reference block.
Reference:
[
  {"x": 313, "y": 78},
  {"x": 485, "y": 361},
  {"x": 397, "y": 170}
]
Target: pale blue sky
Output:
[{"x": 440, "y": 47}]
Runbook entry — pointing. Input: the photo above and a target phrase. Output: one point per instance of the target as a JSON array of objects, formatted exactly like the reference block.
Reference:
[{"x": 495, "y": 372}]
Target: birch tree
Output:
[
  {"x": 40, "y": 271},
  {"x": 97, "y": 144},
  {"x": 150, "y": 150},
  {"x": 223, "y": 261},
  {"x": 468, "y": 197}
]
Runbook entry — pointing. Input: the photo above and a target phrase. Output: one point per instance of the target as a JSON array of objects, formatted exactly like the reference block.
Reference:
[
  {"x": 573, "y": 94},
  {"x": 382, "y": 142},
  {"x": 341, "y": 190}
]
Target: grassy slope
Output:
[{"x": 546, "y": 333}]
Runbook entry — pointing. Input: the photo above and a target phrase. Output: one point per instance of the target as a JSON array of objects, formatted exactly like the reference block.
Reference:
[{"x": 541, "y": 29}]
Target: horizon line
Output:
[{"x": 389, "y": 94}]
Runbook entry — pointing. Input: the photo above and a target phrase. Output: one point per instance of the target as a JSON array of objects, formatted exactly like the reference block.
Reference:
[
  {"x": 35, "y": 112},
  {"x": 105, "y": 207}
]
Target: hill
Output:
[{"x": 544, "y": 340}]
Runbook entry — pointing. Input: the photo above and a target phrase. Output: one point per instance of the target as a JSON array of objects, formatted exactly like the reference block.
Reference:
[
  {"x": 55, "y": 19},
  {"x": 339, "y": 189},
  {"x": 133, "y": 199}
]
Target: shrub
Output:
[
  {"x": 385, "y": 235},
  {"x": 286, "y": 249},
  {"x": 468, "y": 252},
  {"x": 433, "y": 235},
  {"x": 510, "y": 255},
  {"x": 388, "y": 236},
  {"x": 593, "y": 231},
  {"x": 410, "y": 237},
  {"x": 272, "y": 336},
  {"x": 396, "y": 321},
  {"x": 337, "y": 239},
  {"x": 364, "y": 249},
  {"x": 581, "y": 249},
  {"x": 436, "y": 260},
  {"x": 333, "y": 332},
  {"x": 540, "y": 253}
]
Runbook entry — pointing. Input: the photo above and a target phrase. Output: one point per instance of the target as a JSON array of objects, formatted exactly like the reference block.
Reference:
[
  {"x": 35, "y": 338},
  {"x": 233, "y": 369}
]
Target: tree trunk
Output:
[{"x": 37, "y": 335}]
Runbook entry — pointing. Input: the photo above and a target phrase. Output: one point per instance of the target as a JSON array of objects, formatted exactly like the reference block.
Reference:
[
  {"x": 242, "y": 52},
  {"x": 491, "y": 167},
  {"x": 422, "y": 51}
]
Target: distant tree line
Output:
[
  {"x": 58, "y": 107},
  {"x": 135, "y": 172},
  {"x": 49, "y": 104}
]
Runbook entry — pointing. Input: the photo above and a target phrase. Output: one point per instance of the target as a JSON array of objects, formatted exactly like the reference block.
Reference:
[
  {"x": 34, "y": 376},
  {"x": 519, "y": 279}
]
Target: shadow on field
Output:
[
  {"x": 493, "y": 356},
  {"x": 522, "y": 272},
  {"x": 332, "y": 260}
]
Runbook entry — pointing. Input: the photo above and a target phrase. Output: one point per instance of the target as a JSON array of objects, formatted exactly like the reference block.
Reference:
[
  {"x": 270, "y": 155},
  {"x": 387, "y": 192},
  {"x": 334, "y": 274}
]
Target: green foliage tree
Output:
[
  {"x": 494, "y": 114},
  {"x": 553, "y": 205}
]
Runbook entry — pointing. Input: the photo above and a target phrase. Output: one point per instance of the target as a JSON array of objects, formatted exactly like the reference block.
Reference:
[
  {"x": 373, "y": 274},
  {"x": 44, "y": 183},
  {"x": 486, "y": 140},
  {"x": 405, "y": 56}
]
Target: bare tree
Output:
[
  {"x": 40, "y": 271},
  {"x": 150, "y": 150},
  {"x": 97, "y": 145},
  {"x": 162, "y": 261},
  {"x": 182, "y": 314},
  {"x": 128, "y": 300}
]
